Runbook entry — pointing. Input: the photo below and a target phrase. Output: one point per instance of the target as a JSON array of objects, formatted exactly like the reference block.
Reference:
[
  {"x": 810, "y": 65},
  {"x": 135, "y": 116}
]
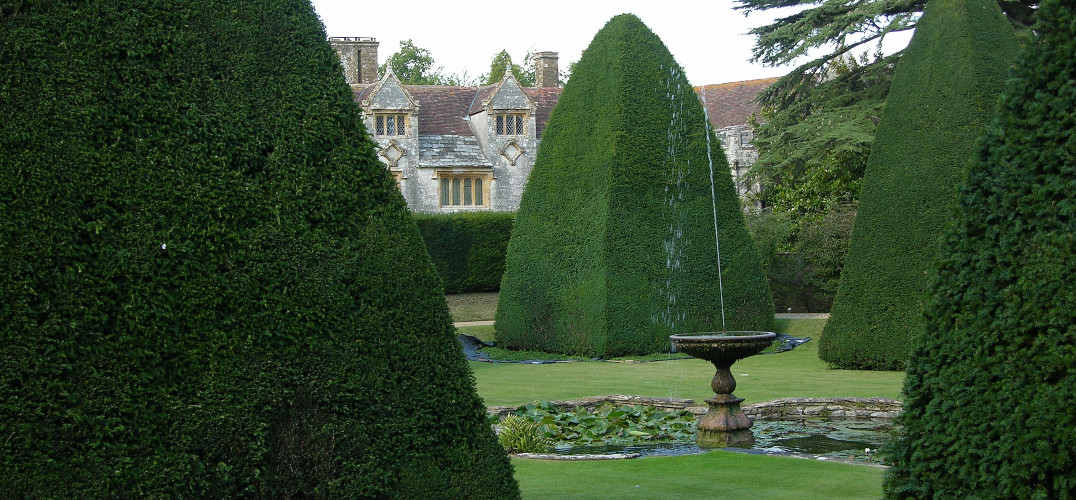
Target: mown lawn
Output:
[
  {"x": 797, "y": 373},
  {"x": 717, "y": 474}
]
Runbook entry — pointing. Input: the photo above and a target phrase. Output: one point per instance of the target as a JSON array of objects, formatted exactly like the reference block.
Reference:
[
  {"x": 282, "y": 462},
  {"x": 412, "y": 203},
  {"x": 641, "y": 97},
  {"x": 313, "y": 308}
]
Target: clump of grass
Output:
[{"x": 521, "y": 435}]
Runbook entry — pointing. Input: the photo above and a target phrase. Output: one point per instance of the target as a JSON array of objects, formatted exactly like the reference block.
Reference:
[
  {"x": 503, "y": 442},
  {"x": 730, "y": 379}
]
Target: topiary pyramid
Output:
[
  {"x": 944, "y": 90},
  {"x": 613, "y": 248},
  {"x": 211, "y": 287},
  {"x": 991, "y": 386}
]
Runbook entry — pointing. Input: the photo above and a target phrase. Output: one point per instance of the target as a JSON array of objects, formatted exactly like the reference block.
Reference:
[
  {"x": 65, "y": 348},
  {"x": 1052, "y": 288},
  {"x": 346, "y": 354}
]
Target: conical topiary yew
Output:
[
  {"x": 613, "y": 248},
  {"x": 990, "y": 389},
  {"x": 944, "y": 90},
  {"x": 210, "y": 286}
]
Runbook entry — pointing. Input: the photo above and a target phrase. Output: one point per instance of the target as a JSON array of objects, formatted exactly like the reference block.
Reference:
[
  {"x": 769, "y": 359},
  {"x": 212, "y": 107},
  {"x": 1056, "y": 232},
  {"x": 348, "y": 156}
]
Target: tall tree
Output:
[
  {"x": 211, "y": 287},
  {"x": 812, "y": 153},
  {"x": 990, "y": 391},
  {"x": 819, "y": 120},
  {"x": 414, "y": 65},
  {"x": 944, "y": 91},
  {"x": 500, "y": 64}
]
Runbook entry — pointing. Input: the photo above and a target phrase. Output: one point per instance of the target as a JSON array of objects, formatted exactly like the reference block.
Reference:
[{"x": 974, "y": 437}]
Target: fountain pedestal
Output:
[{"x": 724, "y": 424}]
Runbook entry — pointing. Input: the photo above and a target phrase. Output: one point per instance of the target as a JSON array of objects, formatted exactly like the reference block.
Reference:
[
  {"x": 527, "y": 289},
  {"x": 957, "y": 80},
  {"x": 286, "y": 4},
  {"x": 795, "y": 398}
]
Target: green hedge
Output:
[
  {"x": 989, "y": 392},
  {"x": 613, "y": 246},
  {"x": 944, "y": 90},
  {"x": 467, "y": 249},
  {"x": 211, "y": 287}
]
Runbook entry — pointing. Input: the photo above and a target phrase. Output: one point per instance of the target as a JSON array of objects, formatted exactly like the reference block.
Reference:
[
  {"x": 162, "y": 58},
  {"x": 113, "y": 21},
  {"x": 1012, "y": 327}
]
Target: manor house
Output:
[{"x": 455, "y": 148}]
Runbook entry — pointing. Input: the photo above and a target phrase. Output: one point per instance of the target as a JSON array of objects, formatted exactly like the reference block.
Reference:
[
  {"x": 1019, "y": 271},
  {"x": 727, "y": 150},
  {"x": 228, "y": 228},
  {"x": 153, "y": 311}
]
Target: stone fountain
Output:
[{"x": 724, "y": 424}]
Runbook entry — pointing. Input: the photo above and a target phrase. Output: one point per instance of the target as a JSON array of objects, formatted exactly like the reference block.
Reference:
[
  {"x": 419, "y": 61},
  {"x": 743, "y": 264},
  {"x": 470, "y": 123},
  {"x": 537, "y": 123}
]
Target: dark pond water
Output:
[{"x": 844, "y": 439}]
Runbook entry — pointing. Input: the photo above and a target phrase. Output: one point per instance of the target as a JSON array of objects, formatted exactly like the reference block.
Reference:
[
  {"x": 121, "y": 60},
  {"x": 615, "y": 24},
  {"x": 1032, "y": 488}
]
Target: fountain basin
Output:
[
  {"x": 724, "y": 424},
  {"x": 728, "y": 346}
]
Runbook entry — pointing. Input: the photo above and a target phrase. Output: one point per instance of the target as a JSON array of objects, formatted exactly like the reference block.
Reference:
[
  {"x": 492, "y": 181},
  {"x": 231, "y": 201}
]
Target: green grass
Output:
[
  {"x": 472, "y": 306},
  {"x": 717, "y": 474},
  {"x": 482, "y": 332},
  {"x": 798, "y": 373}
]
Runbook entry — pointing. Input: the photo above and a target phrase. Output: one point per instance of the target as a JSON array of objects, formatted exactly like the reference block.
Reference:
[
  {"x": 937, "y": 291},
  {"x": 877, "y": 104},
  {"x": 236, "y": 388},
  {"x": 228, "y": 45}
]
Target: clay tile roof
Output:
[
  {"x": 733, "y": 103},
  {"x": 484, "y": 93},
  {"x": 442, "y": 109},
  {"x": 544, "y": 99},
  {"x": 362, "y": 92}
]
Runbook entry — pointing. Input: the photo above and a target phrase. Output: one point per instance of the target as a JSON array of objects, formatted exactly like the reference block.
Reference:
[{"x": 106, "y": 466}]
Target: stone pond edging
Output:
[
  {"x": 846, "y": 407},
  {"x": 842, "y": 407}
]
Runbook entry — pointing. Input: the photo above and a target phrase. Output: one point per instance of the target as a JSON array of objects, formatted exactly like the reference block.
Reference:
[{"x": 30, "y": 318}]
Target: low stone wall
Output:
[
  {"x": 769, "y": 410},
  {"x": 824, "y": 407}
]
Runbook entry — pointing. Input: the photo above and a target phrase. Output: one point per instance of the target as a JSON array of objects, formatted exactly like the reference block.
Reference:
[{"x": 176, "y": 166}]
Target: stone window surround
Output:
[
  {"x": 400, "y": 121},
  {"x": 485, "y": 176},
  {"x": 503, "y": 123}
]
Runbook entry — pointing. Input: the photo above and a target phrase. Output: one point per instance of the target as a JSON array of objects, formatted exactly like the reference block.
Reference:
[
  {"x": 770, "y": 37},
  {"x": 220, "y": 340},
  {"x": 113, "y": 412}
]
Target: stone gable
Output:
[{"x": 451, "y": 135}]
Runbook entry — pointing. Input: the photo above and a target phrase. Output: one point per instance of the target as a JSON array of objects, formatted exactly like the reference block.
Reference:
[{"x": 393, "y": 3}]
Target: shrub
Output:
[
  {"x": 521, "y": 435},
  {"x": 944, "y": 90},
  {"x": 989, "y": 390},
  {"x": 823, "y": 244},
  {"x": 211, "y": 287},
  {"x": 467, "y": 249},
  {"x": 613, "y": 248}
]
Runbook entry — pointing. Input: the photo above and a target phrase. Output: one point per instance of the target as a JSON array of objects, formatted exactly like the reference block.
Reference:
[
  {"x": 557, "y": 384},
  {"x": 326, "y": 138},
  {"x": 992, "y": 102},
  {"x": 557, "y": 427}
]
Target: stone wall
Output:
[{"x": 784, "y": 408}]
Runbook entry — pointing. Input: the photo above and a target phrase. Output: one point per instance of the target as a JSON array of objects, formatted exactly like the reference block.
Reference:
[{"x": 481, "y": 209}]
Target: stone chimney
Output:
[
  {"x": 358, "y": 56},
  {"x": 546, "y": 72}
]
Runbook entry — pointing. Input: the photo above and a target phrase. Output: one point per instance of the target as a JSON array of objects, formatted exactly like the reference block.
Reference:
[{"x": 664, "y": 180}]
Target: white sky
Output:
[{"x": 707, "y": 37}]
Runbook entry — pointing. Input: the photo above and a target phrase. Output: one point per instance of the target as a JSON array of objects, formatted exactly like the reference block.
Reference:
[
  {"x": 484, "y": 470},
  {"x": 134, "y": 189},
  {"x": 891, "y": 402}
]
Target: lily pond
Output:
[{"x": 651, "y": 431}]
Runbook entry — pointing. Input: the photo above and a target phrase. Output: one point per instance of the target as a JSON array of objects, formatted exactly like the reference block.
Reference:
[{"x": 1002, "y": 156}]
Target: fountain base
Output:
[
  {"x": 720, "y": 439},
  {"x": 725, "y": 424}
]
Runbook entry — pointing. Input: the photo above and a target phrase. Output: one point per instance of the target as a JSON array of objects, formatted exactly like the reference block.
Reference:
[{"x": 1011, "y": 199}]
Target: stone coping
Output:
[
  {"x": 553, "y": 456},
  {"x": 783, "y": 408}
]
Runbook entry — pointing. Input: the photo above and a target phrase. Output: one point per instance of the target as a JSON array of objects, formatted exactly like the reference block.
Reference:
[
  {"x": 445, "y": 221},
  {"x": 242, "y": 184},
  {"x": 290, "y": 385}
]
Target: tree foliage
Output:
[
  {"x": 819, "y": 120},
  {"x": 990, "y": 388},
  {"x": 944, "y": 90},
  {"x": 839, "y": 28},
  {"x": 414, "y": 65},
  {"x": 613, "y": 248},
  {"x": 812, "y": 153},
  {"x": 211, "y": 286},
  {"x": 500, "y": 64}
]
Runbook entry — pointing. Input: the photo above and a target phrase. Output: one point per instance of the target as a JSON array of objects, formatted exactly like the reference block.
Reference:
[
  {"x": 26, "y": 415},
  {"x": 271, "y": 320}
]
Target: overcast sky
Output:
[{"x": 707, "y": 37}]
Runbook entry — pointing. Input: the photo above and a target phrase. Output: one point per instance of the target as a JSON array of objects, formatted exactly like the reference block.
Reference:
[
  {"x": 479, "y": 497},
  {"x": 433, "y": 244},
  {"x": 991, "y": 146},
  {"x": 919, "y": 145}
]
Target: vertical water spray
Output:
[
  {"x": 713, "y": 201},
  {"x": 673, "y": 215}
]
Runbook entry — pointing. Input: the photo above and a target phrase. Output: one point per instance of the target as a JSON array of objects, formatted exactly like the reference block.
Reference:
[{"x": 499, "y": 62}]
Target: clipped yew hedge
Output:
[
  {"x": 211, "y": 287},
  {"x": 989, "y": 392},
  {"x": 613, "y": 248},
  {"x": 944, "y": 91},
  {"x": 467, "y": 249}
]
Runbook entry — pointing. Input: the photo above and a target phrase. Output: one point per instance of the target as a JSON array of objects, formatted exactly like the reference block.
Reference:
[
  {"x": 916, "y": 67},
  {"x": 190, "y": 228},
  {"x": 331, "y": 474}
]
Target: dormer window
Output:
[
  {"x": 510, "y": 124},
  {"x": 390, "y": 124}
]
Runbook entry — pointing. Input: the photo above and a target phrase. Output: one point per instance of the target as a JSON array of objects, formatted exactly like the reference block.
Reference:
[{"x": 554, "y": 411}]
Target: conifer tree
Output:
[
  {"x": 944, "y": 90},
  {"x": 991, "y": 386},
  {"x": 613, "y": 248},
  {"x": 210, "y": 286}
]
